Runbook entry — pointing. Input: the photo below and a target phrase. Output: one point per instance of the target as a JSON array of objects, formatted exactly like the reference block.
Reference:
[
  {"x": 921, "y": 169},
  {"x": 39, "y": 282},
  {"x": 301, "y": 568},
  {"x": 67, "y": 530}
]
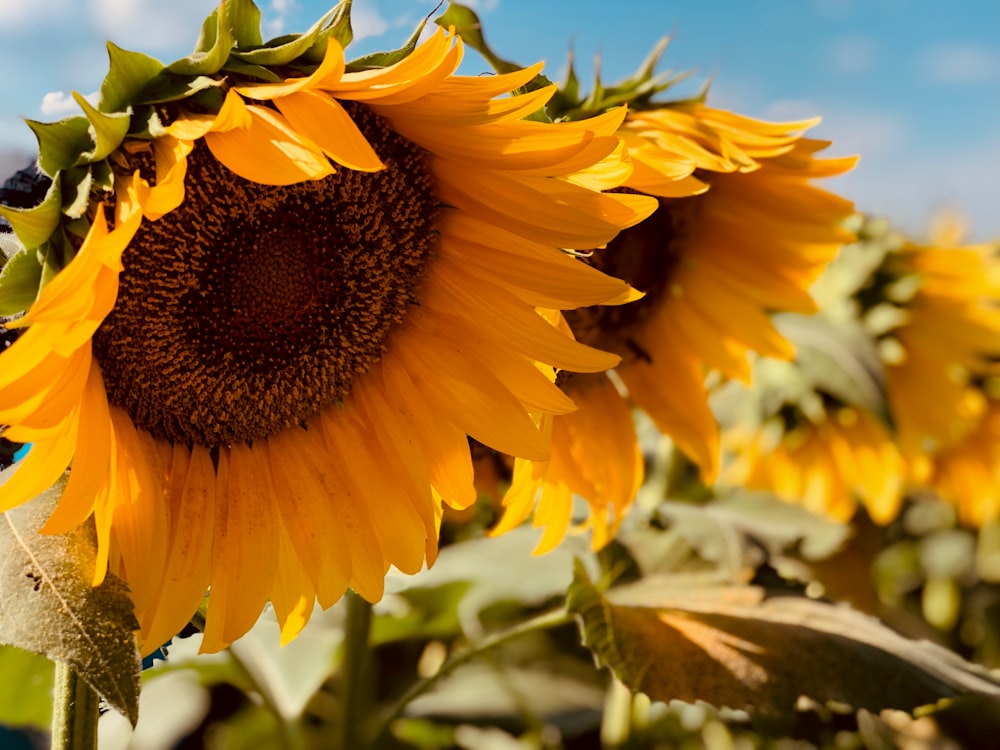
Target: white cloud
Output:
[
  {"x": 60, "y": 104},
  {"x": 151, "y": 24},
  {"x": 274, "y": 25},
  {"x": 20, "y": 14},
  {"x": 852, "y": 54},
  {"x": 366, "y": 21},
  {"x": 960, "y": 63}
]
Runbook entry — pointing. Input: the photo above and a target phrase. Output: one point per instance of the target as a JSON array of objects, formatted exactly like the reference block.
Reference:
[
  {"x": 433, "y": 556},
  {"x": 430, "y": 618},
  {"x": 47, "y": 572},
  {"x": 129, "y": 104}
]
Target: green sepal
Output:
[
  {"x": 243, "y": 19},
  {"x": 391, "y": 57},
  {"x": 469, "y": 27},
  {"x": 34, "y": 226},
  {"x": 79, "y": 228},
  {"x": 284, "y": 49},
  {"x": 76, "y": 184},
  {"x": 146, "y": 123},
  {"x": 129, "y": 73},
  {"x": 214, "y": 46},
  {"x": 52, "y": 260},
  {"x": 102, "y": 176},
  {"x": 60, "y": 143},
  {"x": 107, "y": 129},
  {"x": 169, "y": 87},
  {"x": 246, "y": 70},
  {"x": 339, "y": 28},
  {"x": 19, "y": 282}
]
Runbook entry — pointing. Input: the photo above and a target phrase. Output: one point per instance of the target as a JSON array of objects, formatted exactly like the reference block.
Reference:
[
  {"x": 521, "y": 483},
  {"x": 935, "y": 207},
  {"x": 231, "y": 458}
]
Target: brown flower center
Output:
[
  {"x": 647, "y": 257},
  {"x": 251, "y": 307}
]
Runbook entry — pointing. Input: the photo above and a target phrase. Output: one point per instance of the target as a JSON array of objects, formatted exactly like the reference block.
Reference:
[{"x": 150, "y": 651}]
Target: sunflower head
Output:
[
  {"x": 739, "y": 232},
  {"x": 270, "y": 294},
  {"x": 814, "y": 430},
  {"x": 933, "y": 311}
]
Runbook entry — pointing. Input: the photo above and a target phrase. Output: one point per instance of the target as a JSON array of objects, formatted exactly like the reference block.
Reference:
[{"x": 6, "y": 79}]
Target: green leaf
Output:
[
  {"x": 168, "y": 87},
  {"x": 243, "y": 18},
  {"x": 288, "y": 676},
  {"x": 211, "y": 52},
  {"x": 19, "y": 282},
  {"x": 285, "y": 49},
  {"x": 107, "y": 129},
  {"x": 430, "y": 613},
  {"x": 729, "y": 646},
  {"x": 48, "y": 606},
  {"x": 61, "y": 143},
  {"x": 26, "y": 689},
  {"x": 129, "y": 73},
  {"x": 470, "y": 28},
  {"x": 837, "y": 358},
  {"x": 34, "y": 226},
  {"x": 247, "y": 70}
]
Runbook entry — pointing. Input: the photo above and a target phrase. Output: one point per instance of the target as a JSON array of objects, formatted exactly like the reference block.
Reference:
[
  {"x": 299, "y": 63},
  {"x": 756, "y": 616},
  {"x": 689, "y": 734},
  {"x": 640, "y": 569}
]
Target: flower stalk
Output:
[
  {"x": 75, "y": 711},
  {"x": 353, "y": 688}
]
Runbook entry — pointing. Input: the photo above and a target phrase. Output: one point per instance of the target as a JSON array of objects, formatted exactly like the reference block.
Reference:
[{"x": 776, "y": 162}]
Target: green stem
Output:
[
  {"x": 75, "y": 711},
  {"x": 544, "y": 621},
  {"x": 352, "y": 679}
]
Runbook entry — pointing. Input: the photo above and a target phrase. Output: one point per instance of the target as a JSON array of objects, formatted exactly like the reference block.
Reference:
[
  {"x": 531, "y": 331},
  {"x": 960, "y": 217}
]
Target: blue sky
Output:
[{"x": 911, "y": 85}]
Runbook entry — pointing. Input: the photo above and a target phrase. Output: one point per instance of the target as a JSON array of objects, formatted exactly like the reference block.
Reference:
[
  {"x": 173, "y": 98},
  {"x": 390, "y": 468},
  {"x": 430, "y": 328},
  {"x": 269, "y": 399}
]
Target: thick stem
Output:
[
  {"x": 352, "y": 679},
  {"x": 542, "y": 622},
  {"x": 75, "y": 711}
]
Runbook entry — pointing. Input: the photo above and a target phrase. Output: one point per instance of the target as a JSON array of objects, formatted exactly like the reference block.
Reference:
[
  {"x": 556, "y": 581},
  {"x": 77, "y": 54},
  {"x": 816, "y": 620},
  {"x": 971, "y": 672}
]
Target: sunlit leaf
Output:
[
  {"x": 48, "y": 606},
  {"x": 732, "y": 647}
]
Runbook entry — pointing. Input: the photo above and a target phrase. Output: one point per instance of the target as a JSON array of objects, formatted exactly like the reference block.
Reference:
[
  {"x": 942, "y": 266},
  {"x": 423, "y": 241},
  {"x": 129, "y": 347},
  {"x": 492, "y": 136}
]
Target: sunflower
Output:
[
  {"x": 932, "y": 308},
  {"x": 950, "y": 333},
  {"x": 739, "y": 232},
  {"x": 967, "y": 474},
  {"x": 826, "y": 458},
  {"x": 279, "y": 292}
]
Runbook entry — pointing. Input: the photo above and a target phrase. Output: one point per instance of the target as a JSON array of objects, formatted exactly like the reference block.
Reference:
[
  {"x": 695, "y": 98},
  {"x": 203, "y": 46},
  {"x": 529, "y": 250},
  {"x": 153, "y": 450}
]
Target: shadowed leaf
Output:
[
  {"x": 729, "y": 646},
  {"x": 48, "y": 606}
]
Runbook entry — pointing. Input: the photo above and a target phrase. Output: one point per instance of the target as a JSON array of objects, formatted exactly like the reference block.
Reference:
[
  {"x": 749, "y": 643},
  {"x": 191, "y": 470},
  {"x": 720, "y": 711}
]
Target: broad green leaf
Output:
[
  {"x": 48, "y": 606},
  {"x": 34, "y": 226},
  {"x": 19, "y": 282},
  {"x": 211, "y": 52},
  {"x": 26, "y": 689},
  {"x": 129, "y": 73},
  {"x": 428, "y": 613},
  {"x": 107, "y": 129},
  {"x": 497, "y": 571},
  {"x": 288, "y": 675},
  {"x": 243, "y": 19},
  {"x": 61, "y": 143},
  {"x": 729, "y": 646},
  {"x": 837, "y": 358}
]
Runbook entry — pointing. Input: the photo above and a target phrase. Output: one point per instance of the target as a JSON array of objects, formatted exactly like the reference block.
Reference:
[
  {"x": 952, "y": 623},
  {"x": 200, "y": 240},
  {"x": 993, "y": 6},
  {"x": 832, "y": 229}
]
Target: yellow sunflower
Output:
[
  {"x": 826, "y": 461},
  {"x": 948, "y": 335},
  {"x": 967, "y": 474},
  {"x": 278, "y": 293},
  {"x": 739, "y": 232}
]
